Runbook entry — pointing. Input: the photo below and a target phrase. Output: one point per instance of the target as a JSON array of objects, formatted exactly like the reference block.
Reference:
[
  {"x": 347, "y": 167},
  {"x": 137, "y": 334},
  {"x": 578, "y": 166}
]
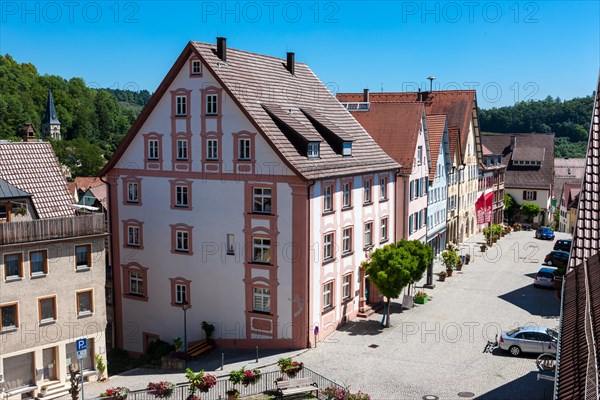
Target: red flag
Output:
[{"x": 483, "y": 208}]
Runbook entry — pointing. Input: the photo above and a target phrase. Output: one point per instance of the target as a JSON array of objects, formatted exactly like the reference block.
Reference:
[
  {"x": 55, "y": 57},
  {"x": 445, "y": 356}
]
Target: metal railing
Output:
[{"x": 266, "y": 383}]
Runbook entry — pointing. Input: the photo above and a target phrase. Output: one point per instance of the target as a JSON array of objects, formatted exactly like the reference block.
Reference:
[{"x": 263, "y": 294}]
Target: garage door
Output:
[{"x": 18, "y": 371}]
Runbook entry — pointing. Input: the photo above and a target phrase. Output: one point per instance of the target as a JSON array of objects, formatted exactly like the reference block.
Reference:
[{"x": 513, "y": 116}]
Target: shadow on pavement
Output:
[
  {"x": 502, "y": 353},
  {"x": 535, "y": 301},
  {"x": 368, "y": 327},
  {"x": 526, "y": 387}
]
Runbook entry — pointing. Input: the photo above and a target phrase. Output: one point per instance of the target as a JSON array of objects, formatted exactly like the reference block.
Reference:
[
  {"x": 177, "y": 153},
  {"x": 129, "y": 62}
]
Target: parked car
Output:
[
  {"x": 557, "y": 258},
  {"x": 545, "y": 277},
  {"x": 563, "y": 244},
  {"x": 545, "y": 233},
  {"x": 529, "y": 339}
]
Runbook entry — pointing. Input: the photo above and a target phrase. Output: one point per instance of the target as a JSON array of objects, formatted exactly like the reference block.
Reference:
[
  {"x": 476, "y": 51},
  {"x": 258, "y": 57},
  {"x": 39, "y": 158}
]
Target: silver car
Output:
[
  {"x": 529, "y": 339},
  {"x": 545, "y": 277}
]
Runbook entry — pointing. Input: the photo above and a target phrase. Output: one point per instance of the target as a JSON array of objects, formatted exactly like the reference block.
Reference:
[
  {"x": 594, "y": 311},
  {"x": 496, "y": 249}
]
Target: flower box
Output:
[{"x": 421, "y": 300}]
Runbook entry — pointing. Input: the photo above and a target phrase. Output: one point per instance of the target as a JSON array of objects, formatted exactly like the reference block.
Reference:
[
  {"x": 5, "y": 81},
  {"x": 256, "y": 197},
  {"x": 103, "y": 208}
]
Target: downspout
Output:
[
  {"x": 309, "y": 269},
  {"x": 112, "y": 274}
]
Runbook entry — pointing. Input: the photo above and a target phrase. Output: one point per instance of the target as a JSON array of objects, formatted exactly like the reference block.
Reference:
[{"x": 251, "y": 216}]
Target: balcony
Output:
[{"x": 51, "y": 229}]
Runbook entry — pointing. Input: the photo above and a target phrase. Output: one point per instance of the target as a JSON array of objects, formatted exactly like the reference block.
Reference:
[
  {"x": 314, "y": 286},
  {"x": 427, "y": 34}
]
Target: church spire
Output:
[{"x": 50, "y": 123}]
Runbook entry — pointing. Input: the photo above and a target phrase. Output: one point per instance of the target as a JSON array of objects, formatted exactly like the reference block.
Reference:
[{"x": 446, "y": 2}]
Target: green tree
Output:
[
  {"x": 391, "y": 269},
  {"x": 82, "y": 157},
  {"x": 510, "y": 206},
  {"x": 530, "y": 210},
  {"x": 422, "y": 253}
]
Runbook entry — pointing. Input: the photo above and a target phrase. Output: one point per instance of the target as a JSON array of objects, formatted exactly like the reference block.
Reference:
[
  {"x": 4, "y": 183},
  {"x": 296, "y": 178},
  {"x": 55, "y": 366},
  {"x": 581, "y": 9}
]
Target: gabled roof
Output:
[
  {"x": 50, "y": 114},
  {"x": 100, "y": 193},
  {"x": 568, "y": 170},
  {"x": 34, "y": 168},
  {"x": 255, "y": 81},
  {"x": 459, "y": 106},
  {"x": 8, "y": 191},
  {"x": 395, "y": 127},
  {"x": 569, "y": 192},
  {"x": 528, "y": 153},
  {"x": 436, "y": 126},
  {"x": 518, "y": 176},
  {"x": 85, "y": 182}
]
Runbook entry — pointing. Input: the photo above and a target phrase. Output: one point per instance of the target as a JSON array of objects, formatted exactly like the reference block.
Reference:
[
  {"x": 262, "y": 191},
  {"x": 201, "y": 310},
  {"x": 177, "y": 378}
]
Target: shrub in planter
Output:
[
  {"x": 442, "y": 276},
  {"x": 162, "y": 389},
  {"x": 116, "y": 393},
  {"x": 209, "y": 331},
  {"x": 517, "y": 227},
  {"x": 245, "y": 376},
  {"x": 421, "y": 297}
]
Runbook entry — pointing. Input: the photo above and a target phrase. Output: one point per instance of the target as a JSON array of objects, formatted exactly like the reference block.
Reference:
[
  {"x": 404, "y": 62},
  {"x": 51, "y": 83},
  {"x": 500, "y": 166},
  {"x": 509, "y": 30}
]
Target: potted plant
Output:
[
  {"x": 100, "y": 368},
  {"x": 200, "y": 381},
  {"x": 162, "y": 389},
  {"x": 517, "y": 227},
  {"x": 245, "y": 376},
  {"x": 459, "y": 264},
  {"x": 421, "y": 297},
  {"x": 450, "y": 260},
  {"x": 116, "y": 393},
  {"x": 178, "y": 344},
  {"x": 468, "y": 258},
  {"x": 233, "y": 394},
  {"x": 286, "y": 365},
  {"x": 442, "y": 276},
  {"x": 209, "y": 330},
  {"x": 335, "y": 393},
  {"x": 483, "y": 247}
]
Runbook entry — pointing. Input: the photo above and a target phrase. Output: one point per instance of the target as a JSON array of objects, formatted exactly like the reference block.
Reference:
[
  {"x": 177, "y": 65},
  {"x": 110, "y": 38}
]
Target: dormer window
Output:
[
  {"x": 347, "y": 149},
  {"x": 313, "y": 150}
]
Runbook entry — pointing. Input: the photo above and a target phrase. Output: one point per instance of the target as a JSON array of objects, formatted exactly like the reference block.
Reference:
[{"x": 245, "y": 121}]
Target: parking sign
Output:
[{"x": 81, "y": 345}]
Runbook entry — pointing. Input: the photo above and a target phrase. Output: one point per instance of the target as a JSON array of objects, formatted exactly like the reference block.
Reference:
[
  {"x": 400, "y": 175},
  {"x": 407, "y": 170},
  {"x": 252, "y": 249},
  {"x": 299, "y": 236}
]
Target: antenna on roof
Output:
[
  {"x": 381, "y": 87},
  {"x": 431, "y": 79}
]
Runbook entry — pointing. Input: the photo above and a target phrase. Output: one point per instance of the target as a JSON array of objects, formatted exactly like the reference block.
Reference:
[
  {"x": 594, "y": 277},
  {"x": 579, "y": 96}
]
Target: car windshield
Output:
[
  {"x": 546, "y": 230},
  {"x": 544, "y": 274},
  {"x": 552, "y": 333},
  {"x": 513, "y": 331}
]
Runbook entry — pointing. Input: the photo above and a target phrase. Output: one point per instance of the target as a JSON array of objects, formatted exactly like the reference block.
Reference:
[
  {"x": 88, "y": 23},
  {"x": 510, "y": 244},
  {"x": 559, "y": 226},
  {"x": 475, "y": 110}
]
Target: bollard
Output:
[
  {"x": 222, "y": 360},
  {"x": 257, "y": 354}
]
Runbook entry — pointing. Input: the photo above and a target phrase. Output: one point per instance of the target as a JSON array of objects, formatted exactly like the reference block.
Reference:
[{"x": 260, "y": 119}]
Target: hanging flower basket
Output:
[
  {"x": 162, "y": 389},
  {"x": 116, "y": 393}
]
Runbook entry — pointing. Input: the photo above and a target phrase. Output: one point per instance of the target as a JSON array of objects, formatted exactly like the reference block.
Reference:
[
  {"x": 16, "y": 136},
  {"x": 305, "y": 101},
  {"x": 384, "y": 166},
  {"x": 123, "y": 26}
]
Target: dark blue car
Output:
[{"x": 544, "y": 233}]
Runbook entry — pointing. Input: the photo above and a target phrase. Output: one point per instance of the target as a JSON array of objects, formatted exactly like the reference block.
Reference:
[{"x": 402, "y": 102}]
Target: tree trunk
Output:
[{"x": 387, "y": 322}]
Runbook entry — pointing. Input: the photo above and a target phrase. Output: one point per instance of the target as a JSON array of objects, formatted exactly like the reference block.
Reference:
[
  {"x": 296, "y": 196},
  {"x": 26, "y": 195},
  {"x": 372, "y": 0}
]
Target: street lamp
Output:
[{"x": 185, "y": 307}]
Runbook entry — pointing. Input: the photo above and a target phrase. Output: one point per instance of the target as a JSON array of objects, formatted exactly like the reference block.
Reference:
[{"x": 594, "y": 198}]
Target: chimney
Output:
[
  {"x": 291, "y": 63},
  {"x": 365, "y": 95},
  {"x": 513, "y": 142},
  {"x": 222, "y": 48},
  {"x": 28, "y": 132}
]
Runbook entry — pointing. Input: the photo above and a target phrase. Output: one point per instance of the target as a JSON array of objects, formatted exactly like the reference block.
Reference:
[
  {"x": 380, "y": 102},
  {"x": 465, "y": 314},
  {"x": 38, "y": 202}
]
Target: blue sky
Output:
[{"x": 508, "y": 51}]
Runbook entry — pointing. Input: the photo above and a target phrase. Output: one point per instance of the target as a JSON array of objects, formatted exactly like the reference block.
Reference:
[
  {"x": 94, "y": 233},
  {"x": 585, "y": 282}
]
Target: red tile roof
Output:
[
  {"x": 85, "y": 182},
  {"x": 524, "y": 177},
  {"x": 567, "y": 170},
  {"x": 435, "y": 132},
  {"x": 100, "y": 193},
  {"x": 395, "y": 127},
  {"x": 578, "y": 366},
  {"x": 570, "y": 191},
  {"x": 459, "y": 106},
  {"x": 34, "y": 168},
  {"x": 586, "y": 236},
  {"x": 255, "y": 80}
]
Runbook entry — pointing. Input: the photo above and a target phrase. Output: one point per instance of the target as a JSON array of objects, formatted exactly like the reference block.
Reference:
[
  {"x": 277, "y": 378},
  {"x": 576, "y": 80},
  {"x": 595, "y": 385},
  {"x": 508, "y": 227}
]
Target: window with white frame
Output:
[
  {"x": 132, "y": 192},
  {"x": 211, "y": 104},
  {"x": 327, "y": 199},
  {"x": 136, "y": 283},
  {"x": 347, "y": 240},
  {"x": 182, "y": 149},
  {"x": 262, "y": 300},
  {"x": 368, "y": 234},
  {"x": 182, "y": 241},
  {"x": 314, "y": 150},
  {"x": 367, "y": 191},
  {"x": 196, "y": 67},
  {"x": 85, "y": 303},
  {"x": 529, "y": 195},
  {"x": 346, "y": 286},
  {"x": 382, "y": 188},
  {"x": 212, "y": 149},
  {"x": 328, "y": 246},
  {"x": 384, "y": 229},
  {"x": 47, "y": 309},
  {"x": 328, "y": 295},
  {"x": 261, "y": 250},
  {"x": 244, "y": 149},
  {"x": 261, "y": 200},
  {"x": 346, "y": 195},
  {"x": 347, "y": 149},
  {"x": 153, "y": 149},
  {"x": 181, "y": 105},
  {"x": 133, "y": 235},
  {"x": 181, "y": 196},
  {"x": 181, "y": 295},
  {"x": 12, "y": 266}
]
